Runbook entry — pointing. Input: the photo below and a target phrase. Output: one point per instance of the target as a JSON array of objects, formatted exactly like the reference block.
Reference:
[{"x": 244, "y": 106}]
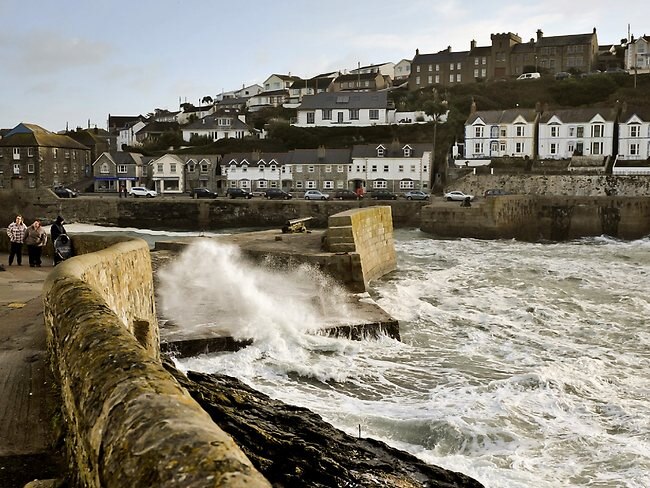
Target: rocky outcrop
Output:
[{"x": 292, "y": 446}]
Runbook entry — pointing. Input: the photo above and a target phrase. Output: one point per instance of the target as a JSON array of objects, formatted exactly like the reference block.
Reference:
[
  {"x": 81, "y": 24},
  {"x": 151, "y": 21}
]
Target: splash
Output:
[{"x": 212, "y": 286}]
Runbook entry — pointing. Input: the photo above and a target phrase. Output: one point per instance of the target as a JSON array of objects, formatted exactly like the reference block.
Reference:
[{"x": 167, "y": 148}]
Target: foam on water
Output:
[{"x": 522, "y": 365}]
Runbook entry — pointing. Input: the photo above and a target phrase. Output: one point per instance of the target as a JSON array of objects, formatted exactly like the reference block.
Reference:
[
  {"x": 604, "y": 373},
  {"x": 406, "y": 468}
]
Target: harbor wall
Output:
[{"x": 127, "y": 421}]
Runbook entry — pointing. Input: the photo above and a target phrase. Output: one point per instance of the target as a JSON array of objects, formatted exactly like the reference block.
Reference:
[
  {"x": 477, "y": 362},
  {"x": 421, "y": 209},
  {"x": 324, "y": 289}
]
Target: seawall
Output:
[
  {"x": 127, "y": 421},
  {"x": 535, "y": 218}
]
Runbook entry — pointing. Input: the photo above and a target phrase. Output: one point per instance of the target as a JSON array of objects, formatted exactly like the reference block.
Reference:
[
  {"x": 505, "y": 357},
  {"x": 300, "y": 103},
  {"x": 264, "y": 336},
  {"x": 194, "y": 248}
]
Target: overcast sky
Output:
[{"x": 70, "y": 61}]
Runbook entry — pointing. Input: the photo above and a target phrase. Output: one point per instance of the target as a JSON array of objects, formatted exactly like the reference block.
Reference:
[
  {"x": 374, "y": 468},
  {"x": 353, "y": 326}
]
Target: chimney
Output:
[
  {"x": 594, "y": 30},
  {"x": 448, "y": 49},
  {"x": 472, "y": 45},
  {"x": 540, "y": 34},
  {"x": 417, "y": 52},
  {"x": 472, "y": 109},
  {"x": 321, "y": 152}
]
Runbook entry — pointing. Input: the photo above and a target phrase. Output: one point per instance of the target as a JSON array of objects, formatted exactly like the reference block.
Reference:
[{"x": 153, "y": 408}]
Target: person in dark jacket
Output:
[
  {"x": 35, "y": 238},
  {"x": 55, "y": 231}
]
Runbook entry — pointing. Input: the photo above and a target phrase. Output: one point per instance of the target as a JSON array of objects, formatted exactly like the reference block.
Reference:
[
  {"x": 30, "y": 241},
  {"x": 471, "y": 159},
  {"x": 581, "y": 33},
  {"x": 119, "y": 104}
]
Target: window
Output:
[
  {"x": 519, "y": 147},
  {"x": 451, "y": 78},
  {"x": 159, "y": 168},
  {"x": 580, "y": 131},
  {"x": 310, "y": 117},
  {"x": 635, "y": 131},
  {"x": 30, "y": 168},
  {"x": 475, "y": 73},
  {"x": 385, "y": 168},
  {"x": 407, "y": 152},
  {"x": 555, "y": 131},
  {"x": 273, "y": 167},
  {"x": 373, "y": 168},
  {"x": 261, "y": 168},
  {"x": 311, "y": 185},
  {"x": 553, "y": 149},
  {"x": 458, "y": 78},
  {"x": 310, "y": 168},
  {"x": 65, "y": 169},
  {"x": 478, "y": 148},
  {"x": 328, "y": 185},
  {"x": 437, "y": 78},
  {"x": 406, "y": 185},
  {"x": 262, "y": 184},
  {"x": 451, "y": 66},
  {"x": 172, "y": 168},
  {"x": 298, "y": 168},
  {"x": 328, "y": 168},
  {"x": 596, "y": 148},
  {"x": 121, "y": 168},
  {"x": 417, "y": 69},
  {"x": 503, "y": 131},
  {"x": 400, "y": 168},
  {"x": 430, "y": 79},
  {"x": 484, "y": 60},
  {"x": 380, "y": 152},
  {"x": 475, "y": 61},
  {"x": 103, "y": 169},
  {"x": 30, "y": 152},
  {"x": 327, "y": 114},
  {"x": 16, "y": 153},
  {"x": 190, "y": 168},
  {"x": 597, "y": 130},
  {"x": 67, "y": 154},
  {"x": 379, "y": 184},
  {"x": 412, "y": 168},
  {"x": 417, "y": 80},
  {"x": 340, "y": 184},
  {"x": 233, "y": 168},
  {"x": 502, "y": 146},
  {"x": 478, "y": 131},
  {"x": 437, "y": 67},
  {"x": 354, "y": 114},
  {"x": 204, "y": 168},
  {"x": 634, "y": 149},
  {"x": 299, "y": 185},
  {"x": 483, "y": 73},
  {"x": 572, "y": 131},
  {"x": 520, "y": 130},
  {"x": 244, "y": 168},
  {"x": 16, "y": 168},
  {"x": 430, "y": 67},
  {"x": 374, "y": 114}
]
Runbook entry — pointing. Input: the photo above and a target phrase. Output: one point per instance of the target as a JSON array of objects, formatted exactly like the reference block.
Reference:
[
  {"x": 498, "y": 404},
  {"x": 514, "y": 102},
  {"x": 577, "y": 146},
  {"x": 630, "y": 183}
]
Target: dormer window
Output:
[
  {"x": 233, "y": 167},
  {"x": 380, "y": 151},
  {"x": 244, "y": 168},
  {"x": 190, "y": 168},
  {"x": 407, "y": 151},
  {"x": 104, "y": 169}
]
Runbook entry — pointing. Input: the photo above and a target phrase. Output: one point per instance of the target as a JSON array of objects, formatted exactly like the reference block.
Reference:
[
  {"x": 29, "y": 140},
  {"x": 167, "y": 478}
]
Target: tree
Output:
[
  {"x": 206, "y": 99},
  {"x": 435, "y": 108}
]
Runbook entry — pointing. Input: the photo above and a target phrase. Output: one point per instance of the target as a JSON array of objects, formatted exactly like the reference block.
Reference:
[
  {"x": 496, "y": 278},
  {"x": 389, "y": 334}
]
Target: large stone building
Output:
[
  {"x": 507, "y": 56},
  {"x": 33, "y": 157}
]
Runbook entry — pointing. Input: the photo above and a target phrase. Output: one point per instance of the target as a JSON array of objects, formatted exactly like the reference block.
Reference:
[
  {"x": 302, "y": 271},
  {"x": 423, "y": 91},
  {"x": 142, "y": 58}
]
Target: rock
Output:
[{"x": 292, "y": 446}]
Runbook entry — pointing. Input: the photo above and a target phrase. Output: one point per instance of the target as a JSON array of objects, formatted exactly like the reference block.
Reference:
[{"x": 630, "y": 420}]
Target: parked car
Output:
[
  {"x": 141, "y": 191},
  {"x": 382, "y": 195},
  {"x": 562, "y": 75},
  {"x": 346, "y": 195},
  {"x": 64, "y": 192},
  {"x": 316, "y": 195},
  {"x": 416, "y": 195},
  {"x": 277, "y": 194},
  {"x": 458, "y": 196},
  {"x": 529, "y": 76},
  {"x": 203, "y": 193},
  {"x": 238, "y": 193},
  {"x": 616, "y": 71},
  {"x": 495, "y": 192}
]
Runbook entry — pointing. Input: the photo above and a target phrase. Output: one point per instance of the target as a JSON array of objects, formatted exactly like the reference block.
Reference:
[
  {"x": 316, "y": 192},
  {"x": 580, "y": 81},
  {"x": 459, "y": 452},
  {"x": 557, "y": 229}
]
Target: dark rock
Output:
[{"x": 293, "y": 447}]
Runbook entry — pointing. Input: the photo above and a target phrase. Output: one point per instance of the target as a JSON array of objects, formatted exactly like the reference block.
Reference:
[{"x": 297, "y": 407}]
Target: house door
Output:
[
  {"x": 494, "y": 148},
  {"x": 340, "y": 117}
]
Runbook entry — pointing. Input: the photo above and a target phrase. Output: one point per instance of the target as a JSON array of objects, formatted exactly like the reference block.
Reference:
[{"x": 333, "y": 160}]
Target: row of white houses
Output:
[
  {"x": 559, "y": 134},
  {"x": 394, "y": 166}
]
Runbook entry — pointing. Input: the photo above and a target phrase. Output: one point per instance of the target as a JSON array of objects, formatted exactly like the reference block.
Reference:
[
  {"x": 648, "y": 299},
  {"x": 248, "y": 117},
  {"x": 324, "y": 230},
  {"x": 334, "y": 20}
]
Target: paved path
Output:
[{"x": 27, "y": 399}]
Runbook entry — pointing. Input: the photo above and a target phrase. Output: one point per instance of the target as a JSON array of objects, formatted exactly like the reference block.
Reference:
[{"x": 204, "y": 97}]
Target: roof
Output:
[
  {"x": 320, "y": 156},
  {"x": 158, "y": 127},
  {"x": 286, "y": 77},
  {"x": 34, "y": 135},
  {"x": 90, "y": 137},
  {"x": 393, "y": 149},
  {"x": 575, "y": 115},
  {"x": 358, "y": 76},
  {"x": 118, "y": 121},
  {"x": 121, "y": 157},
  {"x": 255, "y": 157},
  {"x": 641, "y": 112},
  {"x": 502, "y": 116},
  {"x": 348, "y": 100},
  {"x": 572, "y": 39},
  {"x": 481, "y": 51},
  {"x": 212, "y": 122},
  {"x": 445, "y": 56}
]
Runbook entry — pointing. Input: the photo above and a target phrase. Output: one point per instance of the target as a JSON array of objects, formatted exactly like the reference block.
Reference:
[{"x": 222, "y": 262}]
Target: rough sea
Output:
[{"x": 520, "y": 365}]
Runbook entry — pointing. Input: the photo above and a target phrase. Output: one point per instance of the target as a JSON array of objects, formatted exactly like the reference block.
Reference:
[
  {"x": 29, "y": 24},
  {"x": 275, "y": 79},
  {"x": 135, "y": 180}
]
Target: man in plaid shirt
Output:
[{"x": 16, "y": 233}]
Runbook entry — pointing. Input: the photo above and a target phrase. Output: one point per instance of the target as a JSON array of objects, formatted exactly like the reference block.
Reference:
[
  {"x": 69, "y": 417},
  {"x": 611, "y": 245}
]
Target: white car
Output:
[
  {"x": 316, "y": 195},
  {"x": 458, "y": 196},
  {"x": 141, "y": 191}
]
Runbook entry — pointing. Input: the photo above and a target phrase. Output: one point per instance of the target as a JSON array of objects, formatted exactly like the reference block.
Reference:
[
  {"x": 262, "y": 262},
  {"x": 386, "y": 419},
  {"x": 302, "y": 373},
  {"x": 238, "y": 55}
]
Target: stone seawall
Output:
[
  {"x": 540, "y": 218},
  {"x": 127, "y": 421},
  {"x": 184, "y": 213}
]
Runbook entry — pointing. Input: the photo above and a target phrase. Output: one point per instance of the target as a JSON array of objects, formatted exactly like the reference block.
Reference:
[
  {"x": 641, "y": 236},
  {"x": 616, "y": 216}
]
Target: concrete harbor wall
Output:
[{"x": 127, "y": 421}]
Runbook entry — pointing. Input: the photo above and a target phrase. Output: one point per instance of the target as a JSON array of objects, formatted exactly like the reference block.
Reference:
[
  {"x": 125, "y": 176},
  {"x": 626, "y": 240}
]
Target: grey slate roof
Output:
[
  {"x": 212, "y": 122},
  {"x": 34, "y": 135},
  {"x": 578, "y": 115},
  {"x": 392, "y": 150},
  {"x": 365, "y": 100},
  {"x": 320, "y": 156},
  {"x": 441, "y": 57},
  {"x": 568, "y": 40},
  {"x": 502, "y": 116},
  {"x": 255, "y": 158},
  {"x": 642, "y": 112}
]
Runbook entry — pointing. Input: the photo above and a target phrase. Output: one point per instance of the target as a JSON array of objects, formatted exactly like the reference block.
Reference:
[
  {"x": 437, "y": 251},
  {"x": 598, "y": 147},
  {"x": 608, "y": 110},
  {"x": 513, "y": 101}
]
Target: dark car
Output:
[
  {"x": 238, "y": 193},
  {"x": 277, "y": 194},
  {"x": 495, "y": 192},
  {"x": 382, "y": 195},
  {"x": 203, "y": 193},
  {"x": 562, "y": 75},
  {"x": 63, "y": 192},
  {"x": 346, "y": 195}
]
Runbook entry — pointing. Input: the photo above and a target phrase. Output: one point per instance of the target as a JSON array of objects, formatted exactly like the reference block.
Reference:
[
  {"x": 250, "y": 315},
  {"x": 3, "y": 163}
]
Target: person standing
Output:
[
  {"x": 16, "y": 233},
  {"x": 55, "y": 231},
  {"x": 35, "y": 239}
]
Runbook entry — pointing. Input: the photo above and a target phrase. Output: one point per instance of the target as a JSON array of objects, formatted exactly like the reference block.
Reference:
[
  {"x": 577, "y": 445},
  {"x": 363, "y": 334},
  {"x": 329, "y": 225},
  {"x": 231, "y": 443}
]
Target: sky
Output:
[{"x": 71, "y": 63}]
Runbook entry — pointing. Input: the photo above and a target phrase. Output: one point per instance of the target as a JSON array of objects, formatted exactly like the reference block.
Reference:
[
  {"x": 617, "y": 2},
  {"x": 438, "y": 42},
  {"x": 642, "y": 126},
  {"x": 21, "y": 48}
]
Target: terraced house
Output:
[{"x": 33, "y": 157}]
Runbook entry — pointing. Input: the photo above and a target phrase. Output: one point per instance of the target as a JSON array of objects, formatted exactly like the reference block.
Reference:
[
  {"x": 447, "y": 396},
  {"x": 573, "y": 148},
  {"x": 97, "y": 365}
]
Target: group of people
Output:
[{"x": 35, "y": 238}]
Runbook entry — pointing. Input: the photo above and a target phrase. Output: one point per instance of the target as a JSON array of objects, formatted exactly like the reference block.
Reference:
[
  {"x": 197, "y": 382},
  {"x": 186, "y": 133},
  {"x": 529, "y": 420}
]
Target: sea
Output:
[{"x": 520, "y": 364}]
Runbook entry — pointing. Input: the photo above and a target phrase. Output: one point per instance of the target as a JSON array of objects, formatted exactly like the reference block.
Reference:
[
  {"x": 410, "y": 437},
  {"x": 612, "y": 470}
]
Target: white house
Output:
[
  {"x": 634, "y": 134},
  {"x": 255, "y": 171},
  {"x": 167, "y": 174},
  {"x": 191, "y": 113},
  {"x": 225, "y": 124},
  {"x": 402, "y": 72},
  {"x": 243, "y": 92},
  {"x": 500, "y": 133},
  {"x": 127, "y": 135},
  {"x": 350, "y": 109},
  {"x": 385, "y": 69},
  {"x": 638, "y": 55},
  {"x": 273, "y": 98},
  {"x": 587, "y": 132},
  {"x": 396, "y": 166}
]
